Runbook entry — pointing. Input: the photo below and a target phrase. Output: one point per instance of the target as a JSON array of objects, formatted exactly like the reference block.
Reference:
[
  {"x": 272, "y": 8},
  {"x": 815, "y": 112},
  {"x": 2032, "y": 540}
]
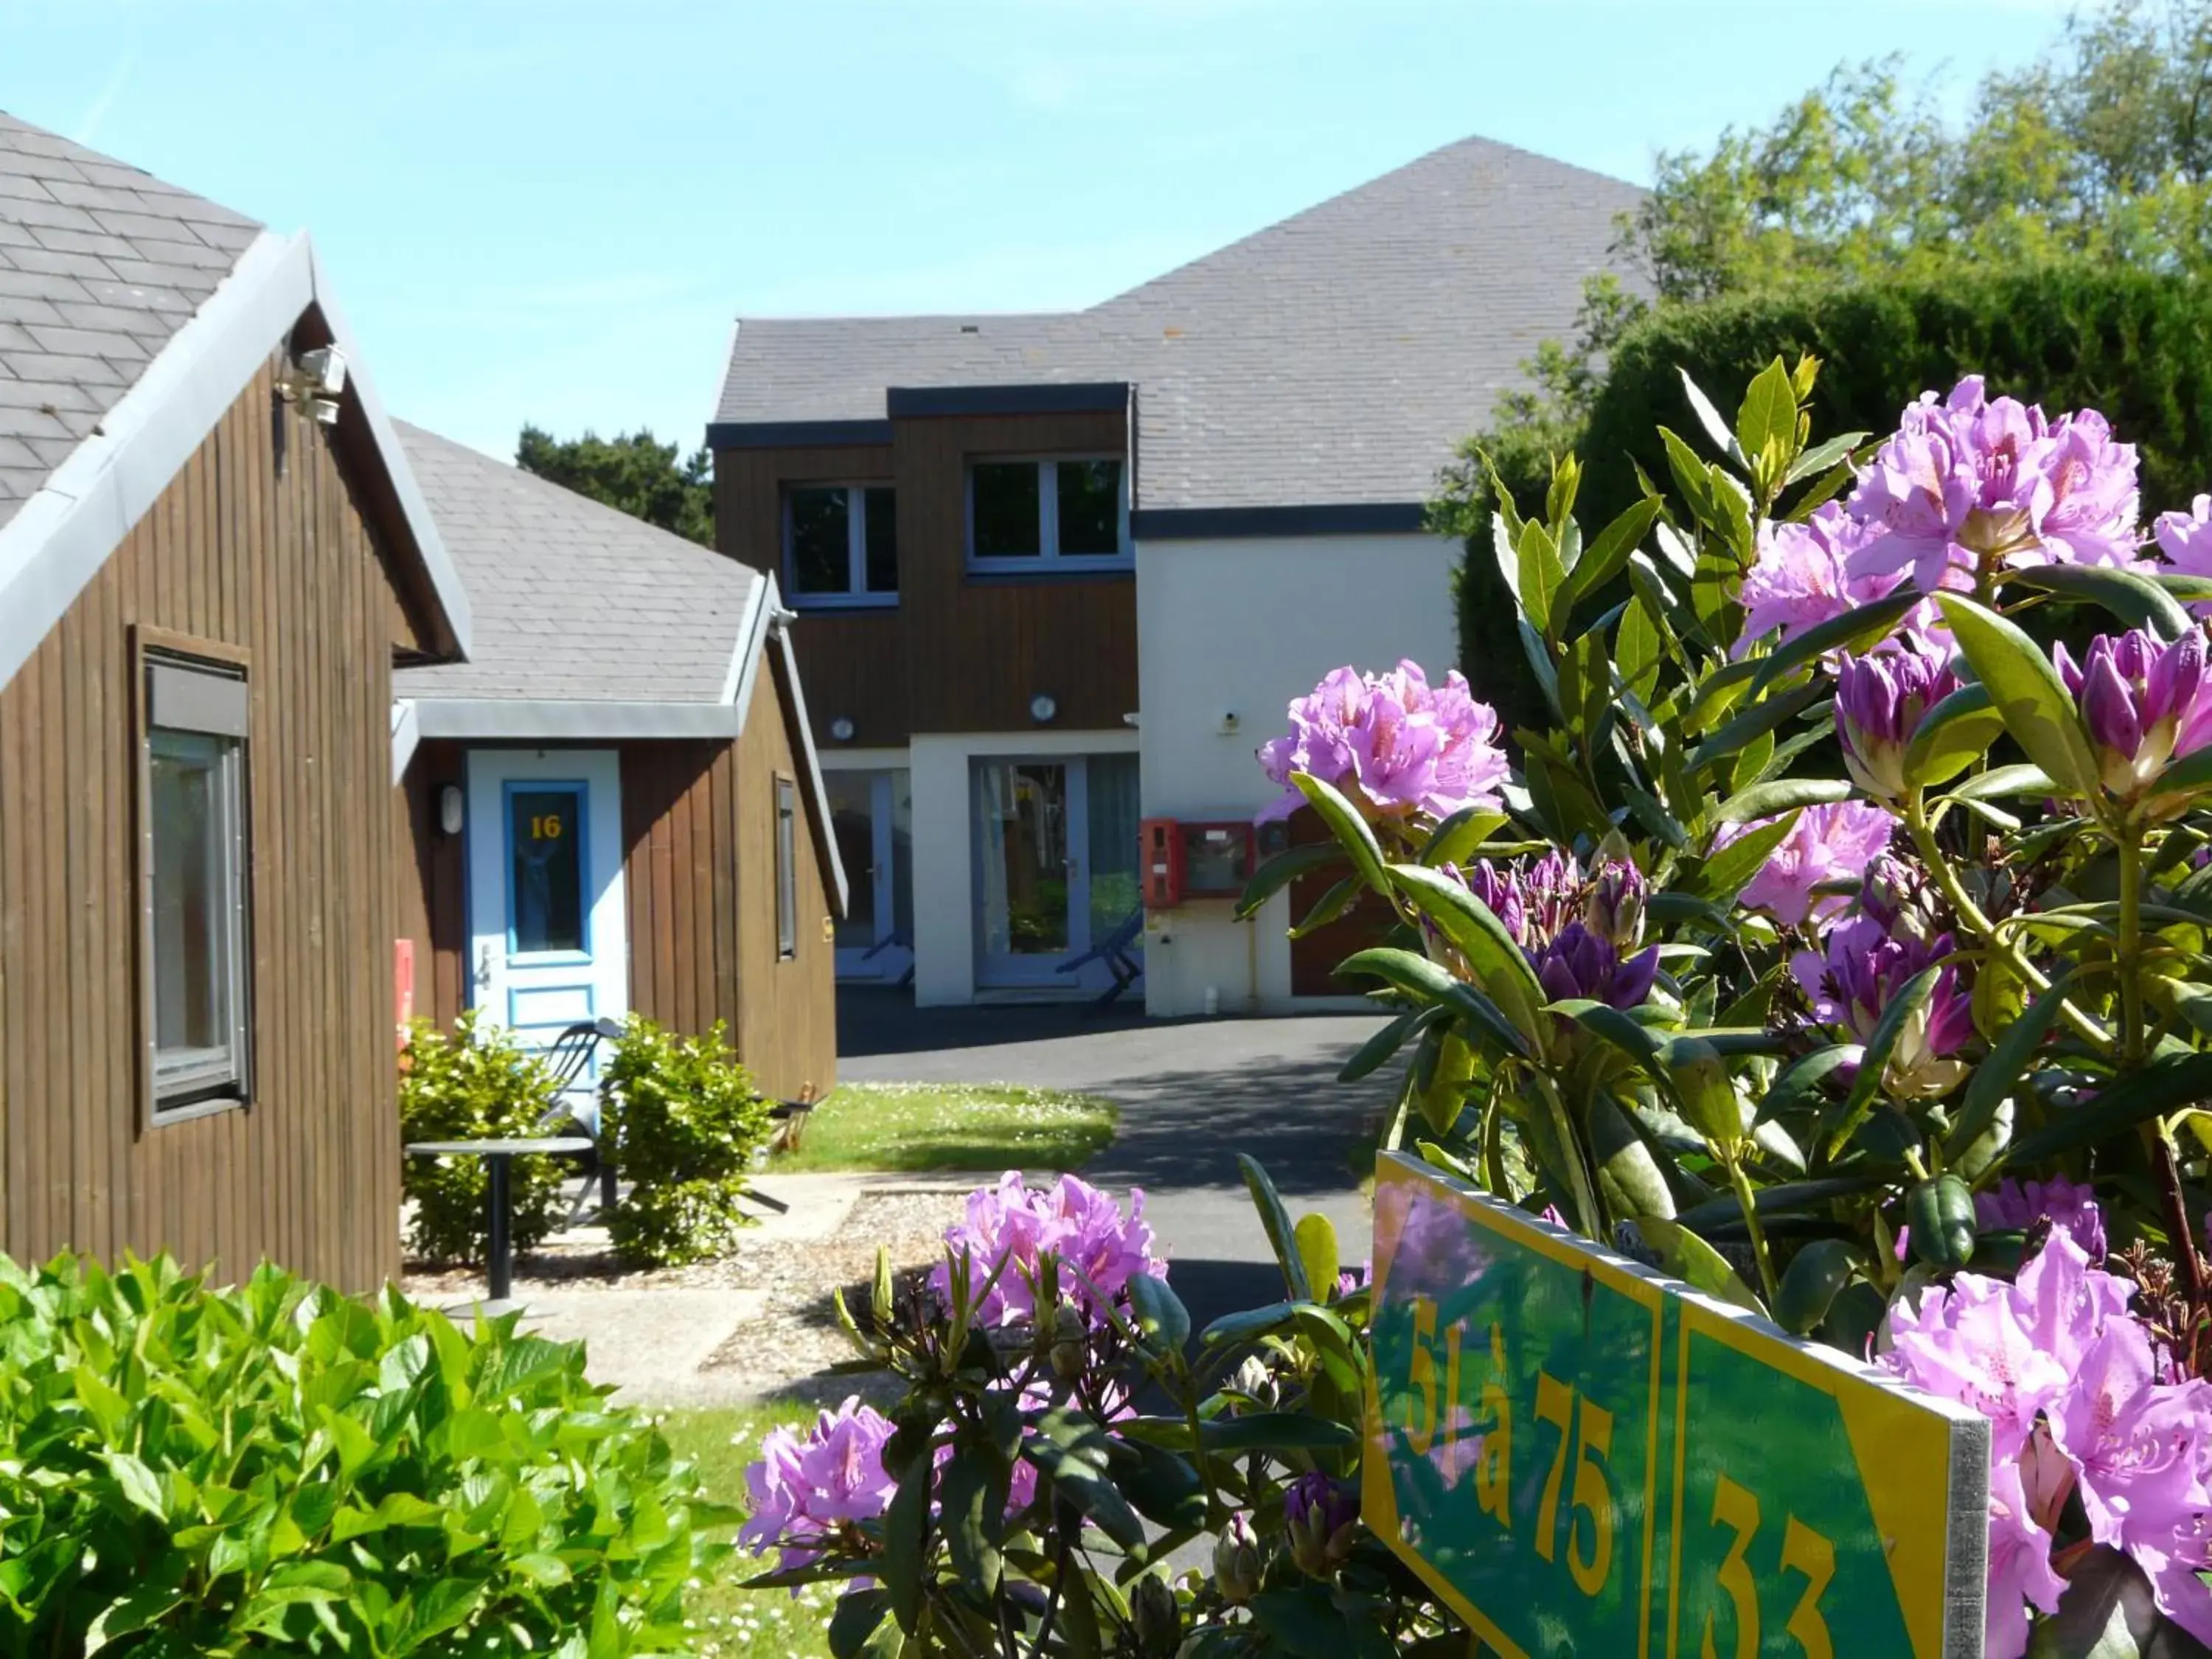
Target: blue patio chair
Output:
[{"x": 1115, "y": 951}]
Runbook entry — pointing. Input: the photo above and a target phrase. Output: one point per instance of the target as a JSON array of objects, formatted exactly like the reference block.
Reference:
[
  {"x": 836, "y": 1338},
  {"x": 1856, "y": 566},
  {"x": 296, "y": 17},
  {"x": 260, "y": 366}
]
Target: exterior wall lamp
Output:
[
  {"x": 449, "y": 809},
  {"x": 840, "y": 730},
  {"x": 1042, "y": 708}
]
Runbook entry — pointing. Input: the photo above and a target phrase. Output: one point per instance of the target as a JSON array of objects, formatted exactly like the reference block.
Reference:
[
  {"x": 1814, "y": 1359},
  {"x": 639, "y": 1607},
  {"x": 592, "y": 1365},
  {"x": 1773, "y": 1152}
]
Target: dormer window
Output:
[
  {"x": 1070, "y": 512},
  {"x": 840, "y": 544}
]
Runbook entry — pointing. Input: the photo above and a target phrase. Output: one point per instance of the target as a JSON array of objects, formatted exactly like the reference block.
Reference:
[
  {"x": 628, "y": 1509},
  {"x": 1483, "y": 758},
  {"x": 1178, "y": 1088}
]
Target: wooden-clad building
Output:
[
  {"x": 211, "y": 556},
  {"x": 614, "y": 806}
]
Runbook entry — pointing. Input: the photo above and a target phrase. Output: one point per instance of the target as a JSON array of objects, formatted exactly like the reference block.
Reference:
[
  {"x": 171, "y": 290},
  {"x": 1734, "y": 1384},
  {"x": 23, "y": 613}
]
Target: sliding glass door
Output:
[{"x": 1055, "y": 867}]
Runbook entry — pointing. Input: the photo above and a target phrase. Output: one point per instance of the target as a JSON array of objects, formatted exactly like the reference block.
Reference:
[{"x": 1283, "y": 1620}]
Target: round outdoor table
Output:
[{"x": 496, "y": 1155}]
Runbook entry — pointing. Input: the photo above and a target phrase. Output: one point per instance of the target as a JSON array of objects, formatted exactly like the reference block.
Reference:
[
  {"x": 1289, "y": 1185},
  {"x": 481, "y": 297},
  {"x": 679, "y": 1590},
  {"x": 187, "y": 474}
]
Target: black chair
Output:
[
  {"x": 1116, "y": 952},
  {"x": 568, "y": 1059}
]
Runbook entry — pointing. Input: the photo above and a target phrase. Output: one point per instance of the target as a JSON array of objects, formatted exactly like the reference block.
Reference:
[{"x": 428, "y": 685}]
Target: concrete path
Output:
[{"x": 1193, "y": 1094}]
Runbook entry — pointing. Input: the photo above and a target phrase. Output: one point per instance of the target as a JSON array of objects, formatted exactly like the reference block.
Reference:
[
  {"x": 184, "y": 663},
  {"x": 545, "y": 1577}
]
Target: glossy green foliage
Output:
[
  {"x": 275, "y": 1468},
  {"x": 686, "y": 1122},
  {"x": 473, "y": 1083}
]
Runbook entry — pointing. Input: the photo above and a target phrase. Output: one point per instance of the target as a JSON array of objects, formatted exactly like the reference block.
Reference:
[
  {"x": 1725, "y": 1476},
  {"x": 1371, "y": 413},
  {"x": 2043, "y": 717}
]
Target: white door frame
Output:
[{"x": 539, "y": 994}]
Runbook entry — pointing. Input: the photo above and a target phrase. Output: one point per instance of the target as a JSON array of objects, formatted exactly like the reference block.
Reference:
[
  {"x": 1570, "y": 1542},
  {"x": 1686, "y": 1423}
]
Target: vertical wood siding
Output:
[
  {"x": 957, "y": 653},
  {"x": 699, "y": 889},
  {"x": 285, "y": 569}
]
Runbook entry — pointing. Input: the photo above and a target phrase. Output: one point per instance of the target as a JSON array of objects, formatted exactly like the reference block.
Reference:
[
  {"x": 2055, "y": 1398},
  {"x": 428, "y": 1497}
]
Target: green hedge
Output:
[
  {"x": 275, "y": 1468},
  {"x": 2134, "y": 344}
]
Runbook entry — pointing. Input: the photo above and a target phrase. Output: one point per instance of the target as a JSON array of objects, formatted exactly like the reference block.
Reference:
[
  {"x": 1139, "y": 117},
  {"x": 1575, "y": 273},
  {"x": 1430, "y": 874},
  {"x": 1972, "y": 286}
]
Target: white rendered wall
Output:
[
  {"x": 1239, "y": 627},
  {"x": 944, "y": 861}
]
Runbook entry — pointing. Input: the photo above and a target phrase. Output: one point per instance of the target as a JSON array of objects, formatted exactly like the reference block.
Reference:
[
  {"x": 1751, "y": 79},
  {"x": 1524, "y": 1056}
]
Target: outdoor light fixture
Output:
[
  {"x": 313, "y": 380},
  {"x": 841, "y": 729},
  {"x": 1042, "y": 708},
  {"x": 449, "y": 809}
]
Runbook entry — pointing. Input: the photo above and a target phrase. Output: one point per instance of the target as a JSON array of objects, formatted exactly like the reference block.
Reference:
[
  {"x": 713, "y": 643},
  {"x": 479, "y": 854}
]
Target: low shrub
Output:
[
  {"x": 275, "y": 1468},
  {"x": 686, "y": 1122},
  {"x": 474, "y": 1083}
]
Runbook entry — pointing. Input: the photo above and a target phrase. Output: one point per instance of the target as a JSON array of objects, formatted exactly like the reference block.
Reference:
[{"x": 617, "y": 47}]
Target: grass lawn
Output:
[
  {"x": 951, "y": 1126},
  {"x": 734, "y": 1623}
]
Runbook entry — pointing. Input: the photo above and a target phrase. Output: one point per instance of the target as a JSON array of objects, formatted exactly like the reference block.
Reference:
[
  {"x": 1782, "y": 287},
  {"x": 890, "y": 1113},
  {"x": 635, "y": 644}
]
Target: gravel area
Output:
[{"x": 784, "y": 1350}]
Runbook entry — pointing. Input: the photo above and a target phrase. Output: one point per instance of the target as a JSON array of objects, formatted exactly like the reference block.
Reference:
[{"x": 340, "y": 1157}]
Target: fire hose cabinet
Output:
[{"x": 1195, "y": 860}]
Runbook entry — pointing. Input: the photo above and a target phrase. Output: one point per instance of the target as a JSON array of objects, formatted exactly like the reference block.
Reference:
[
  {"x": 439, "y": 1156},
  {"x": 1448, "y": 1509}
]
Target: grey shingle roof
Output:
[
  {"x": 1332, "y": 358},
  {"x": 572, "y": 601},
  {"x": 99, "y": 264}
]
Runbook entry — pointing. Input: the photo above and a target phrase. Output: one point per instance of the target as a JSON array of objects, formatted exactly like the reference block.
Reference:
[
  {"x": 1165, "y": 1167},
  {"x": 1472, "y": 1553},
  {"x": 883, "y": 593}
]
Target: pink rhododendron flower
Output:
[
  {"x": 2015, "y": 1205},
  {"x": 1011, "y": 1228},
  {"x": 1799, "y": 579},
  {"x": 1827, "y": 843},
  {"x": 2076, "y": 1402},
  {"x": 2185, "y": 538},
  {"x": 1392, "y": 742},
  {"x": 807, "y": 1488},
  {"x": 1973, "y": 479}
]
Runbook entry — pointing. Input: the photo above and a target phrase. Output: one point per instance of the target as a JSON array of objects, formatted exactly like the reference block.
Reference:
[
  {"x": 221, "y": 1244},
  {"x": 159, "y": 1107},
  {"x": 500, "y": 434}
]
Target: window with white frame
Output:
[
  {"x": 1070, "y": 512},
  {"x": 787, "y": 868},
  {"x": 840, "y": 544},
  {"x": 198, "y": 961}
]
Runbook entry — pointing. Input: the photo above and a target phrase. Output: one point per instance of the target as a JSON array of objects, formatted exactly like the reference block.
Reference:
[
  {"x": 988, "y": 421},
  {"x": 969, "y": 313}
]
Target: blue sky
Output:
[{"x": 551, "y": 211}]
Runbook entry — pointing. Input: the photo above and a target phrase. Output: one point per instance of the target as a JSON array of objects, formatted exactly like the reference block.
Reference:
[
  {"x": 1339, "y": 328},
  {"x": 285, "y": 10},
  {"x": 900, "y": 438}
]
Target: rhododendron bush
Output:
[{"x": 1841, "y": 947}]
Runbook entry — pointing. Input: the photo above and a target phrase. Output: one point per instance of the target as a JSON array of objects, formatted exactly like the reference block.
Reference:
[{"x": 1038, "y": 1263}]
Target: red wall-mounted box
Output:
[{"x": 1196, "y": 859}]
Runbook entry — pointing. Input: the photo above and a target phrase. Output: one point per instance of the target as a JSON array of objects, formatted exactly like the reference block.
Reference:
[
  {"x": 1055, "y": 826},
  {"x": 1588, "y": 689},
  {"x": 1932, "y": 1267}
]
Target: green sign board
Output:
[{"x": 1586, "y": 1458}]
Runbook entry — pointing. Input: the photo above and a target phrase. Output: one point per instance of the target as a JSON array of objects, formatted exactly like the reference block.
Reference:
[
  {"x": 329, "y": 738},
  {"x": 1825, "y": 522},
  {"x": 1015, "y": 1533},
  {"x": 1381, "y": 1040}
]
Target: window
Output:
[
  {"x": 787, "y": 868},
  {"x": 1069, "y": 511},
  {"x": 840, "y": 544},
  {"x": 198, "y": 962},
  {"x": 545, "y": 833}
]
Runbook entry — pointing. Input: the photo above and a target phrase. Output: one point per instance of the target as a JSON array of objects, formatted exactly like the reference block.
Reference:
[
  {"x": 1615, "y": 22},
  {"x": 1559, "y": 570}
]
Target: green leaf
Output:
[
  {"x": 1477, "y": 935},
  {"x": 1637, "y": 652},
  {"x": 2107, "y": 1611},
  {"x": 1275, "y": 1222},
  {"x": 1074, "y": 1450},
  {"x": 1280, "y": 871},
  {"x": 1417, "y": 977},
  {"x": 1854, "y": 631},
  {"x": 853, "y": 1619},
  {"x": 1542, "y": 574},
  {"x": 1458, "y": 837},
  {"x": 1160, "y": 1486},
  {"x": 1328, "y": 907},
  {"x": 2001, "y": 781},
  {"x": 1695, "y": 1262},
  {"x": 1725, "y": 871},
  {"x": 1997, "y": 1076},
  {"x": 2027, "y": 692},
  {"x": 1707, "y": 1096},
  {"x": 2134, "y": 599},
  {"x": 971, "y": 1503},
  {"x": 1315, "y": 1237},
  {"x": 1351, "y": 831},
  {"x": 1951, "y": 736},
  {"x": 1820, "y": 457},
  {"x": 1810, "y": 1284},
  {"x": 138, "y": 1483},
  {"x": 906, "y": 1533},
  {"x": 2160, "y": 1087},
  {"x": 1880, "y": 1043},
  {"x": 1767, "y": 418},
  {"x": 1767, "y": 800},
  {"x": 1160, "y": 1313},
  {"x": 1798, "y": 1085},
  {"x": 1756, "y": 721},
  {"x": 1710, "y": 417},
  {"x": 1783, "y": 1198},
  {"x": 1275, "y": 1432},
  {"x": 1372, "y": 1054},
  {"x": 1605, "y": 557}
]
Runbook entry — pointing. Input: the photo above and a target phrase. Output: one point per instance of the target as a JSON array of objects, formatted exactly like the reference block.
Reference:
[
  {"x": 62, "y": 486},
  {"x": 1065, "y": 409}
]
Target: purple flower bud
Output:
[
  {"x": 1880, "y": 700},
  {"x": 1615, "y": 910},
  {"x": 2144, "y": 703},
  {"x": 1238, "y": 1565},
  {"x": 1319, "y": 1516},
  {"x": 1579, "y": 964},
  {"x": 1860, "y": 973}
]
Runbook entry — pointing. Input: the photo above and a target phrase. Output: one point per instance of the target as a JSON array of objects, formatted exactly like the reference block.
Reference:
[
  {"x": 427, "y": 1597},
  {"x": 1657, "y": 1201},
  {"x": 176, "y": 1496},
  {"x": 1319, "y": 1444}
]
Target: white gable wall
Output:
[{"x": 1240, "y": 627}]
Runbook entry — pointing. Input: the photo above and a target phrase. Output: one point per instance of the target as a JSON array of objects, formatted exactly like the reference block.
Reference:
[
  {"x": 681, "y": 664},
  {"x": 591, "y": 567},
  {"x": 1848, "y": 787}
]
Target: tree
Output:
[
  {"x": 2100, "y": 151},
  {"x": 630, "y": 472}
]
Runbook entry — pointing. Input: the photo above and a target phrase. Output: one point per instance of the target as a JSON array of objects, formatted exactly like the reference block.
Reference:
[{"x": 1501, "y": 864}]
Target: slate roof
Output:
[
  {"x": 1334, "y": 358},
  {"x": 99, "y": 264},
  {"x": 572, "y": 601}
]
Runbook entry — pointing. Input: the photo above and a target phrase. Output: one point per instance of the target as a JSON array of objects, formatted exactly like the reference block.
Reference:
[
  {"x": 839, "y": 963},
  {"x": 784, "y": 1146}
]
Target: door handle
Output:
[{"x": 483, "y": 966}]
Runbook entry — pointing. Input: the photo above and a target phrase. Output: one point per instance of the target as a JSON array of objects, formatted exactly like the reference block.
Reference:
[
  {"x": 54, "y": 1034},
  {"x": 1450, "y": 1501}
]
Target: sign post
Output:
[{"x": 1584, "y": 1457}]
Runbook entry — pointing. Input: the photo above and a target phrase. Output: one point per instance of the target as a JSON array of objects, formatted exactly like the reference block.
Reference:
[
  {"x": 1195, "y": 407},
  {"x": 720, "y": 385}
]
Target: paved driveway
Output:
[{"x": 1193, "y": 1094}]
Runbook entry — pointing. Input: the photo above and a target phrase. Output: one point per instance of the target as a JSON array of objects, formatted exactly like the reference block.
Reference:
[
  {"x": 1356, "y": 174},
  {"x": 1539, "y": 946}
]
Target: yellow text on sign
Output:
[{"x": 545, "y": 826}]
